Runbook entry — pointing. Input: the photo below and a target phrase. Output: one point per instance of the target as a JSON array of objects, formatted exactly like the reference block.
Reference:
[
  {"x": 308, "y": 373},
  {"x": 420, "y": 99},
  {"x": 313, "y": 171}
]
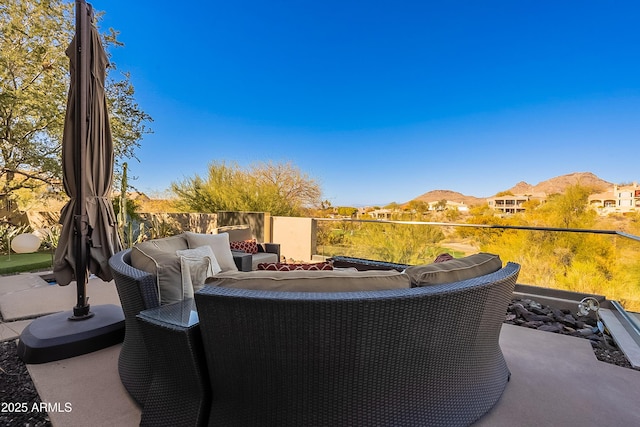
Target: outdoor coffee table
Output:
[{"x": 179, "y": 393}]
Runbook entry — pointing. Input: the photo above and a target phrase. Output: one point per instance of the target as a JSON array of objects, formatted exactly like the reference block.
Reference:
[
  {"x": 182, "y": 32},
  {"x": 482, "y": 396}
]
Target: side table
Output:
[{"x": 179, "y": 394}]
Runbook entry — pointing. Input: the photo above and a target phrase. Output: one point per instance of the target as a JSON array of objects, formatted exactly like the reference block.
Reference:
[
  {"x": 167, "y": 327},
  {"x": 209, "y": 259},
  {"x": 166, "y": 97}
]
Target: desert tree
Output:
[
  {"x": 278, "y": 188},
  {"x": 34, "y": 85}
]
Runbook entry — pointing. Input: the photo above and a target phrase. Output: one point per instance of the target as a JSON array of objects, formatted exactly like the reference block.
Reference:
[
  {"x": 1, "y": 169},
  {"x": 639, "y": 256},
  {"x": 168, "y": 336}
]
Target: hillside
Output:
[
  {"x": 452, "y": 196},
  {"x": 560, "y": 183},
  {"x": 551, "y": 186}
]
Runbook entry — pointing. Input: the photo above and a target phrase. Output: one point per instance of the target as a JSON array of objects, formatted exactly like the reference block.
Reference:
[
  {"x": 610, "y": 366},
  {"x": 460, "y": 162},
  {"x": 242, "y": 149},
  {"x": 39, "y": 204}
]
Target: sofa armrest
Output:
[
  {"x": 243, "y": 260},
  {"x": 273, "y": 248}
]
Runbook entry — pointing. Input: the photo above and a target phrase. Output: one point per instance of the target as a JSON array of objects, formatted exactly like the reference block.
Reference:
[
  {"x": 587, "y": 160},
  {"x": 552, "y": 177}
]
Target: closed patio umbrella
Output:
[{"x": 89, "y": 236}]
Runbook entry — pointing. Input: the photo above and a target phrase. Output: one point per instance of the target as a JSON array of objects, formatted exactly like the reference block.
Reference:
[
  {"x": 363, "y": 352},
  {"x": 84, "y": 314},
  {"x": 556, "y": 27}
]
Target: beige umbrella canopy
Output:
[{"x": 89, "y": 235}]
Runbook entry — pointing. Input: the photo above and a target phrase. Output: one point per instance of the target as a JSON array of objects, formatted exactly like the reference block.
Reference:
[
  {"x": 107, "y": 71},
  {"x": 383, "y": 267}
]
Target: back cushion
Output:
[
  {"x": 454, "y": 270},
  {"x": 237, "y": 233},
  {"x": 313, "y": 281},
  {"x": 159, "y": 257},
  {"x": 219, "y": 244}
]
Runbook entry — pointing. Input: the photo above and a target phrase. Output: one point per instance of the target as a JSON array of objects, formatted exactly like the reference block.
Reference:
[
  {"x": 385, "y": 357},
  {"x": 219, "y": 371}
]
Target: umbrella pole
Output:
[{"x": 81, "y": 222}]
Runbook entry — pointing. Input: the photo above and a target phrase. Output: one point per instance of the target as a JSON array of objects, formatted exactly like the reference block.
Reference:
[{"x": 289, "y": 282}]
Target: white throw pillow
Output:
[
  {"x": 197, "y": 265},
  {"x": 219, "y": 243}
]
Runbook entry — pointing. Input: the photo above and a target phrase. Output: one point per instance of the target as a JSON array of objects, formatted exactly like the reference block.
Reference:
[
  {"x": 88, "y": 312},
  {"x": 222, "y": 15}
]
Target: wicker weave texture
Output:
[
  {"x": 179, "y": 394},
  {"x": 137, "y": 291},
  {"x": 411, "y": 357}
]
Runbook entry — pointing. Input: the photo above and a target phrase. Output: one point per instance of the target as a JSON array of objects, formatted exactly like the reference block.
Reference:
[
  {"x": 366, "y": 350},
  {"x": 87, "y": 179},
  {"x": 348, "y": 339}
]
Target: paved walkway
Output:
[{"x": 556, "y": 379}]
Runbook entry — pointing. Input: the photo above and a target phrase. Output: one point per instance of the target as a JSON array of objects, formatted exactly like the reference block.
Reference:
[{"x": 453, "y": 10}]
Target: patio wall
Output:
[
  {"x": 196, "y": 222},
  {"x": 176, "y": 222},
  {"x": 297, "y": 237},
  {"x": 259, "y": 222}
]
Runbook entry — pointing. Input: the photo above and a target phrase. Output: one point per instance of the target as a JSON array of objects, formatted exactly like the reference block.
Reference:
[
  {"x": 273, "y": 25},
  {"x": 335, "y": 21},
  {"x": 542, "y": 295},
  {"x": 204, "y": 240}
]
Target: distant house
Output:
[
  {"x": 508, "y": 204},
  {"x": 381, "y": 214},
  {"x": 619, "y": 199}
]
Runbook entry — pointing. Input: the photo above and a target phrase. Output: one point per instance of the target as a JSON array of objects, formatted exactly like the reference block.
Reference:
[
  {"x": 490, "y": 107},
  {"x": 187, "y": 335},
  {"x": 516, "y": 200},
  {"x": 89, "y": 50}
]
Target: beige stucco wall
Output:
[{"x": 297, "y": 237}]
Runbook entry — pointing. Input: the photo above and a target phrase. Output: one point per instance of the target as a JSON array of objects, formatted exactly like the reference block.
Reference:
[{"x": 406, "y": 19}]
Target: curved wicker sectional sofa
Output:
[
  {"x": 412, "y": 357},
  {"x": 407, "y": 357}
]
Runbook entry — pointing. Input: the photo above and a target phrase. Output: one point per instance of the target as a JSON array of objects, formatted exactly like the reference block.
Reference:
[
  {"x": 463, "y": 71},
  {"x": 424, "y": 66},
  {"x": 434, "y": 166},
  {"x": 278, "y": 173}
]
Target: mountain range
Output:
[{"x": 553, "y": 185}]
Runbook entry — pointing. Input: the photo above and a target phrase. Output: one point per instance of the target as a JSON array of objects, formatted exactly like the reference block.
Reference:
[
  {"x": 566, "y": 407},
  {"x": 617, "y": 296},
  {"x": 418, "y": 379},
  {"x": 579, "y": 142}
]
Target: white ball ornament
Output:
[{"x": 25, "y": 243}]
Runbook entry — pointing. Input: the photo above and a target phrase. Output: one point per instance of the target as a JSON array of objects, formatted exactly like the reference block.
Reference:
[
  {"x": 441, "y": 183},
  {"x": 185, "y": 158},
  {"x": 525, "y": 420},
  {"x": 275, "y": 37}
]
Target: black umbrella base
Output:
[{"x": 56, "y": 337}]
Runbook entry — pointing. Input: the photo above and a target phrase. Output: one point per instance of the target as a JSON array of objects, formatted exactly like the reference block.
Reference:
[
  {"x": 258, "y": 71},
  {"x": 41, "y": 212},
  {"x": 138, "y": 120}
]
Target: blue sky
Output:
[{"x": 382, "y": 101}]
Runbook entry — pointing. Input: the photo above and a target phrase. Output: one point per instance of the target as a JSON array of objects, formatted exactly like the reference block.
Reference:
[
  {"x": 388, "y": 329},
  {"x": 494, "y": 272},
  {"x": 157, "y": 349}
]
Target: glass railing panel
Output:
[{"x": 604, "y": 262}]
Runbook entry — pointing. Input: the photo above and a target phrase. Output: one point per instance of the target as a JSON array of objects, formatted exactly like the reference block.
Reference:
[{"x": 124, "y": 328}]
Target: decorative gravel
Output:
[
  {"x": 18, "y": 396},
  {"x": 531, "y": 314}
]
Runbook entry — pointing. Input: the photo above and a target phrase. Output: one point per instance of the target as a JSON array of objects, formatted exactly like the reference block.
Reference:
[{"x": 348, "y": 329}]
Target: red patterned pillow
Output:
[
  {"x": 443, "y": 257},
  {"x": 277, "y": 266},
  {"x": 248, "y": 246}
]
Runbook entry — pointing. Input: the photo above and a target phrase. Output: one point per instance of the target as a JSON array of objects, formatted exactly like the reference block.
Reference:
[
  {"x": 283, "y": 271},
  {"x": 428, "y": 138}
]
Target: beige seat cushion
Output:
[
  {"x": 454, "y": 270},
  {"x": 219, "y": 243},
  {"x": 313, "y": 281},
  {"x": 159, "y": 257}
]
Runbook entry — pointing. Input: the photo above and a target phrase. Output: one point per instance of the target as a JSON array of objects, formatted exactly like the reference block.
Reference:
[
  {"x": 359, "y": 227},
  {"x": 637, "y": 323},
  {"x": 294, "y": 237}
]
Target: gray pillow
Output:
[
  {"x": 454, "y": 270},
  {"x": 159, "y": 258}
]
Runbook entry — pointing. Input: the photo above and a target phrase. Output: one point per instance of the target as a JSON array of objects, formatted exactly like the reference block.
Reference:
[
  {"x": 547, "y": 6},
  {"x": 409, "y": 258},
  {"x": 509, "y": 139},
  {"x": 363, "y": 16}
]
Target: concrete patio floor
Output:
[{"x": 556, "y": 379}]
